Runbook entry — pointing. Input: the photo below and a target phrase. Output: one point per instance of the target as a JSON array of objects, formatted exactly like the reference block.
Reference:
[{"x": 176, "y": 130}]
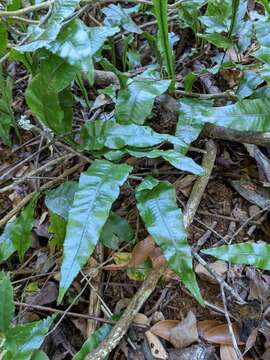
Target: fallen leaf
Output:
[
  {"x": 200, "y": 352},
  {"x": 227, "y": 352},
  {"x": 141, "y": 251},
  {"x": 217, "y": 334},
  {"x": 220, "y": 267},
  {"x": 252, "y": 192},
  {"x": 157, "y": 349},
  {"x": 46, "y": 295},
  {"x": 185, "y": 333},
  {"x": 163, "y": 328},
  {"x": 141, "y": 319},
  {"x": 251, "y": 340},
  {"x": 157, "y": 258}
]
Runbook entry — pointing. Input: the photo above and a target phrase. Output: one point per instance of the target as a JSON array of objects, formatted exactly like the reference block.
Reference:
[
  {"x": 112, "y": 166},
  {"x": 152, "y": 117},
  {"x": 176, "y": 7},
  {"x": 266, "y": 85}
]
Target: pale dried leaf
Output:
[
  {"x": 157, "y": 349},
  {"x": 220, "y": 267},
  {"x": 251, "y": 340},
  {"x": 227, "y": 352},
  {"x": 185, "y": 333},
  {"x": 141, "y": 319}
]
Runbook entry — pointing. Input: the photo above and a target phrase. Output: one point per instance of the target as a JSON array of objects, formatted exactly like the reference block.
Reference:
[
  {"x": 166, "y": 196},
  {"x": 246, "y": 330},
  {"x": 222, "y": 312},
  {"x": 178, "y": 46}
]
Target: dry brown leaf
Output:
[
  {"x": 141, "y": 319},
  {"x": 157, "y": 258},
  {"x": 217, "y": 334},
  {"x": 163, "y": 328},
  {"x": 227, "y": 352},
  {"x": 141, "y": 251},
  {"x": 220, "y": 267},
  {"x": 185, "y": 333},
  {"x": 156, "y": 347}
]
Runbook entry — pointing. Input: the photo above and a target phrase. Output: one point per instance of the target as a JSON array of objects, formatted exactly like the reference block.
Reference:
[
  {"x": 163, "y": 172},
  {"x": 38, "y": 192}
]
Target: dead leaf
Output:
[
  {"x": 157, "y": 349},
  {"x": 141, "y": 251},
  {"x": 46, "y": 295},
  {"x": 184, "y": 185},
  {"x": 217, "y": 334},
  {"x": 185, "y": 333},
  {"x": 141, "y": 319},
  {"x": 157, "y": 258},
  {"x": 219, "y": 267},
  {"x": 200, "y": 352},
  {"x": 259, "y": 288},
  {"x": 227, "y": 352},
  {"x": 251, "y": 339},
  {"x": 252, "y": 192},
  {"x": 163, "y": 328}
]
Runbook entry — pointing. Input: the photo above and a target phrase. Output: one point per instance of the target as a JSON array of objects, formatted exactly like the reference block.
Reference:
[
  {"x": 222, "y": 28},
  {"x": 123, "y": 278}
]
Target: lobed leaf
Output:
[
  {"x": 99, "y": 134},
  {"x": 175, "y": 158},
  {"x": 156, "y": 201},
  {"x": 118, "y": 16},
  {"x": 41, "y": 36},
  {"x": 249, "y": 253},
  {"x": 218, "y": 40},
  {"x": 77, "y": 43},
  {"x": 115, "y": 231},
  {"x": 135, "y": 103},
  {"x": 59, "y": 200},
  {"x": 21, "y": 230},
  {"x": 6, "y": 303},
  {"x": 23, "y": 339},
  {"x": 49, "y": 86},
  {"x": 6, "y": 246},
  {"x": 93, "y": 341},
  {"x": 57, "y": 227},
  {"x": 98, "y": 189}
]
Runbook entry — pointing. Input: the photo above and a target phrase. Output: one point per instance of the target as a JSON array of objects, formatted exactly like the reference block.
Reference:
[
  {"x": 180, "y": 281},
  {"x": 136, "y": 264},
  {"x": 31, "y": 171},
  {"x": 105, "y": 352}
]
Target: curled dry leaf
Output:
[
  {"x": 141, "y": 319},
  {"x": 214, "y": 332},
  {"x": 227, "y": 352},
  {"x": 185, "y": 333},
  {"x": 157, "y": 349},
  {"x": 163, "y": 328},
  {"x": 220, "y": 267}
]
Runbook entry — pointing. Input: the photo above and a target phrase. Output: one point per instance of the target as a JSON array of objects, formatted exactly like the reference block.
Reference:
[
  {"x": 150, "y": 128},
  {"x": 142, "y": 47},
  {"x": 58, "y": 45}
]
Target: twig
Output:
[
  {"x": 149, "y": 284},
  {"x": 37, "y": 171},
  {"x": 219, "y": 279},
  {"x": 44, "y": 187},
  {"x": 46, "y": 4},
  {"x": 247, "y": 222},
  {"x": 94, "y": 302},
  {"x": 234, "y": 342},
  {"x": 201, "y": 183},
  {"x": 122, "y": 326},
  {"x": 228, "y": 95},
  {"x": 23, "y": 19}
]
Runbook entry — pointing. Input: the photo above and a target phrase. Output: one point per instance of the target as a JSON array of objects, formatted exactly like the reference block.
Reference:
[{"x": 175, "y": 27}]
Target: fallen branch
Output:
[
  {"x": 218, "y": 132},
  {"x": 149, "y": 284}
]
